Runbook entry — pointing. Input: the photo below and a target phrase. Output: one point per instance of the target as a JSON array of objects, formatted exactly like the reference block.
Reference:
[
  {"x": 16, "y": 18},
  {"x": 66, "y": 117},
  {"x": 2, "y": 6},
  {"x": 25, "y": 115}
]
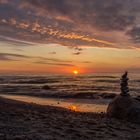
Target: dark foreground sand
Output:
[{"x": 23, "y": 121}]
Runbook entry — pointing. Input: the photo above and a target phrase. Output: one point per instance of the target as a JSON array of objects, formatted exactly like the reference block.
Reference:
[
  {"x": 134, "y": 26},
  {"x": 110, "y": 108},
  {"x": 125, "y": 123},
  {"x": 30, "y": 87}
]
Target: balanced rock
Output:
[{"x": 126, "y": 108}]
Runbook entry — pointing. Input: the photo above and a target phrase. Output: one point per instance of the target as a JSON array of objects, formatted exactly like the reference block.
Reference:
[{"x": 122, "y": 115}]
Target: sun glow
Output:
[{"x": 75, "y": 72}]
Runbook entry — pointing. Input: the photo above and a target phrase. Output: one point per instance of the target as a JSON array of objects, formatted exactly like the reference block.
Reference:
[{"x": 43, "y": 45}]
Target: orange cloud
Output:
[{"x": 54, "y": 32}]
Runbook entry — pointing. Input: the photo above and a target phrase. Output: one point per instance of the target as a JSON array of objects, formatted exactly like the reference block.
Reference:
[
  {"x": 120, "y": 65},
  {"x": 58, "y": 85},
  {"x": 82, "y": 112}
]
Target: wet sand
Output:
[
  {"x": 81, "y": 105},
  {"x": 26, "y": 121}
]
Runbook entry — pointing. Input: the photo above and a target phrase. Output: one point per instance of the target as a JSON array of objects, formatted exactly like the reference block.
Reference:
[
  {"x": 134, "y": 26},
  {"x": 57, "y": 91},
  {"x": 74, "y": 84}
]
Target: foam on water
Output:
[{"x": 83, "y": 86}]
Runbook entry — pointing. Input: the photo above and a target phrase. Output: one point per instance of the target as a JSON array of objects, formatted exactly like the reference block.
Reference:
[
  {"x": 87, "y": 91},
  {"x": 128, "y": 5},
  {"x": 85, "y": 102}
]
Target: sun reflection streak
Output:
[{"x": 73, "y": 108}]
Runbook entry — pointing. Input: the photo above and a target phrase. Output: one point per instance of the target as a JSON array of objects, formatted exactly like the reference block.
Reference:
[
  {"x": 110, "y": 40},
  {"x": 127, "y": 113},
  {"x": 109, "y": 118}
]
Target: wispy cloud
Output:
[
  {"x": 54, "y": 63},
  {"x": 15, "y": 41},
  {"x": 70, "y": 23},
  {"x": 39, "y": 60},
  {"x": 77, "y": 53},
  {"x": 38, "y": 32},
  {"x": 5, "y": 58},
  {"x": 11, "y": 57},
  {"x": 53, "y": 52}
]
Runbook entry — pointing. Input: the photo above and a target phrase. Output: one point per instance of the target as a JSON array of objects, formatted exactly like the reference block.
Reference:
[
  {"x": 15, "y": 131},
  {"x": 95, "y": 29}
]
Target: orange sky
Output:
[
  {"x": 59, "y": 37},
  {"x": 90, "y": 61}
]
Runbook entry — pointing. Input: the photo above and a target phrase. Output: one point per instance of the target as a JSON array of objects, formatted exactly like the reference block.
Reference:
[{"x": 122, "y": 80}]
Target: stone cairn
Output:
[
  {"x": 124, "y": 85},
  {"x": 124, "y": 106}
]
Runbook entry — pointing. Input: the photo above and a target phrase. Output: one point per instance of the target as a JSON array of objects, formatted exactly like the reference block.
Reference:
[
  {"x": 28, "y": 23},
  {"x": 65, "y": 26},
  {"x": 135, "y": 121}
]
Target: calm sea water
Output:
[{"x": 61, "y": 86}]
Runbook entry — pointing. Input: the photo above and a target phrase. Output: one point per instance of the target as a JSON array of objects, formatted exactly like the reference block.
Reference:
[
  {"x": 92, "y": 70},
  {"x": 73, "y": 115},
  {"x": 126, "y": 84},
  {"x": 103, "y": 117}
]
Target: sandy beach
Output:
[
  {"x": 69, "y": 70},
  {"x": 26, "y": 121}
]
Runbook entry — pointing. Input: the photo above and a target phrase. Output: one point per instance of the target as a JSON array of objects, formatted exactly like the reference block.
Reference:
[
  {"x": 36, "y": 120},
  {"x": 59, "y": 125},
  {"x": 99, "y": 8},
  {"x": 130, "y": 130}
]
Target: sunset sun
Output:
[{"x": 75, "y": 72}]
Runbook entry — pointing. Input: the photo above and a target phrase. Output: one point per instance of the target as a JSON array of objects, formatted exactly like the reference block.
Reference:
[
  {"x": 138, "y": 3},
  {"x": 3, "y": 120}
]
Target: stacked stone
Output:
[{"x": 124, "y": 85}]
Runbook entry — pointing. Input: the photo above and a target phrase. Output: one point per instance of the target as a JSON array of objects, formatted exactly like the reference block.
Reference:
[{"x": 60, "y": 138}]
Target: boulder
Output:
[
  {"x": 46, "y": 87},
  {"x": 124, "y": 107}
]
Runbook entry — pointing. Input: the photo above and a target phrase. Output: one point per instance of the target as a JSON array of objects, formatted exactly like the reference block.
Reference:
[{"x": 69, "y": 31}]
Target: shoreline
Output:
[
  {"x": 20, "y": 120},
  {"x": 80, "y": 105}
]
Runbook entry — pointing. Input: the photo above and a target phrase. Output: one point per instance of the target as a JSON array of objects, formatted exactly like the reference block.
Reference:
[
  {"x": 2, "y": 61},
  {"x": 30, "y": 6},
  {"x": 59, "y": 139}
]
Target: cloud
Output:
[
  {"x": 39, "y": 60},
  {"x": 72, "y": 23},
  {"x": 87, "y": 62},
  {"x": 15, "y": 42},
  {"x": 134, "y": 34},
  {"x": 3, "y": 1},
  {"x": 53, "y": 63},
  {"x": 11, "y": 57},
  {"x": 78, "y": 49},
  {"x": 106, "y": 15},
  {"x": 53, "y": 52},
  {"x": 53, "y": 60},
  {"x": 4, "y": 58},
  {"x": 38, "y": 33},
  {"x": 14, "y": 55},
  {"x": 77, "y": 53}
]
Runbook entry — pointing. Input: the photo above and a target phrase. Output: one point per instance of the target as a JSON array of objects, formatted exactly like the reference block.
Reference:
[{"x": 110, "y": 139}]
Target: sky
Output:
[{"x": 59, "y": 36}]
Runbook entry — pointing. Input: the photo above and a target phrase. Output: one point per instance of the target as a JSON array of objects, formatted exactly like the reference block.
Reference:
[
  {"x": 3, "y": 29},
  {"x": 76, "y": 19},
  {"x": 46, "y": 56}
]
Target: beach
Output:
[
  {"x": 26, "y": 121},
  {"x": 39, "y": 107},
  {"x": 69, "y": 70}
]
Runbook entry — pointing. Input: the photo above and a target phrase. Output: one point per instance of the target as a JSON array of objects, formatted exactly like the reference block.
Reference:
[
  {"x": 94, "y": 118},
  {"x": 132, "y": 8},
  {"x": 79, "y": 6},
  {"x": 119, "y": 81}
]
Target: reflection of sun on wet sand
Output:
[
  {"x": 73, "y": 108},
  {"x": 80, "y": 105}
]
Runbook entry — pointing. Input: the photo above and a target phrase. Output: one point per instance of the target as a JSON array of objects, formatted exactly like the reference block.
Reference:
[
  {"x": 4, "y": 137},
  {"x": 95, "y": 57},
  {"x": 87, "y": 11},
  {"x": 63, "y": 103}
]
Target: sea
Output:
[
  {"x": 91, "y": 86},
  {"x": 67, "y": 86}
]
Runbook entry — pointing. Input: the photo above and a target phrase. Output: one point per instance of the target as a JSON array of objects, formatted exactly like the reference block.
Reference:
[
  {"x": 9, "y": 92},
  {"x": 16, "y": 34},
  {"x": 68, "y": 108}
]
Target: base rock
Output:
[{"x": 125, "y": 107}]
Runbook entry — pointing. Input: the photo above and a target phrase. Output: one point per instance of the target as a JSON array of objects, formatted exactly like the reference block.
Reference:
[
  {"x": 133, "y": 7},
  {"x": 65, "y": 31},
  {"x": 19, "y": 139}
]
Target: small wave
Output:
[
  {"x": 107, "y": 81},
  {"x": 38, "y": 81},
  {"x": 136, "y": 81},
  {"x": 103, "y": 76}
]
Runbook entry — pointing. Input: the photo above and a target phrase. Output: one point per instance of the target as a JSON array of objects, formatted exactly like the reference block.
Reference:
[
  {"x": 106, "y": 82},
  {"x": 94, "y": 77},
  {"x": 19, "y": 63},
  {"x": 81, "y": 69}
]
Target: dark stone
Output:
[
  {"x": 126, "y": 108},
  {"x": 46, "y": 87}
]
